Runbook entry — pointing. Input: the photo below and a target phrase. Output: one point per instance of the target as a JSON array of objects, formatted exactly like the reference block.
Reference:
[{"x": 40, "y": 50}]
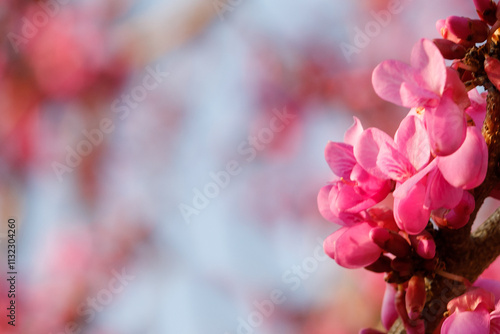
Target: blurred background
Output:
[{"x": 161, "y": 159}]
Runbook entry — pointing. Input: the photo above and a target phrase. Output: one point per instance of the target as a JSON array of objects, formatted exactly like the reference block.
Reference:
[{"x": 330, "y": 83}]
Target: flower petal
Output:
[
  {"x": 340, "y": 158},
  {"x": 477, "y": 109},
  {"x": 466, "y": 168},
  {"x": 352, "y": 134},
  {"x": 412, "y": 140},
  {"x": 477, "y": 322},
  {"x": 409, "y": 211},
  {"x": 368, "y": 147},
  {"x": 352, "y": 247},
  {"x": 446, "y": 126},
  {"x": 393, "y": 164},
  {"x": 427, "y": 59},
  {"x": 440, "y": 194},
  {"x": 324, "y": 204},
  {"x": 388, "y": 77}
]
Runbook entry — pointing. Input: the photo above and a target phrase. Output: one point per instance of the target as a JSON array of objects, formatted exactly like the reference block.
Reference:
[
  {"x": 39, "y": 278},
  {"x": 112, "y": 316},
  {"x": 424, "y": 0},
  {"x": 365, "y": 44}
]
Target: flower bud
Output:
[
  {"x": 403, "y": 266},
  {"x": 463, "y": 30},
  {"x": 486, "y": 9},
  {"x": 449, "y": 49},
  {"x": 424, "y": 245},
  {"x": 390, "y": 241},
  {"x": 492, "y": 69},
  {"x": 415, "y": 297},
  {"x": 382, "y": 265}
]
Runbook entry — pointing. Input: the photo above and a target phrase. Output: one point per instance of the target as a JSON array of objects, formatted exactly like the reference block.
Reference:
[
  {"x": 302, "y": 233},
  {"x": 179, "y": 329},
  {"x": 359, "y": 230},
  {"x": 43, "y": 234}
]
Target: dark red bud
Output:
[{"x": 449, "y": 49}]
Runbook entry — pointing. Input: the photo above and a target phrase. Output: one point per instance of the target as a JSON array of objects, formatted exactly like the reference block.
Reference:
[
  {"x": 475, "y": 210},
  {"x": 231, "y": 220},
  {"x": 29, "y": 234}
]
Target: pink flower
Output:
[
  {"x": 351, "y": 247},
  {"x": 473, "y": 312},
  {"x": 427, "y": 83},
  {"x": 354, "y": 247},
  {"x": 355, "y": 189}
]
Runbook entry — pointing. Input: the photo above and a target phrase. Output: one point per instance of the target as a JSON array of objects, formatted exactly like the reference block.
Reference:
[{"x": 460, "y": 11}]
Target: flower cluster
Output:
[{"x": 436, "y": 157}]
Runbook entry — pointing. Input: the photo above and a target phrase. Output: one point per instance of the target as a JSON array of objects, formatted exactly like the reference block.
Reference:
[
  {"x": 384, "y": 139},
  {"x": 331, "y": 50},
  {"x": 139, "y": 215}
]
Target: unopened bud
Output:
[
  {"x": 424, "y": 245},
  {"x": 403, "y": 266},
  {"x": 415, "y": 297},
  {"x": 382, "y": 265},
  {"x": 390, "y": 241},
  {"x": 492, "y": 69},
  {"x": 463, "y": 30},
  {"x": 486, "y": 9},
  {"x": 415, "y": 327},
  {"x": 449, "y": 49}
]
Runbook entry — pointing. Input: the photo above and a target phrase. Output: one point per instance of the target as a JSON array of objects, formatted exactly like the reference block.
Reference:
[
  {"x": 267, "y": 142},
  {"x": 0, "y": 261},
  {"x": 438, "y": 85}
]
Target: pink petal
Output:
[
  {"x": 388, "y": 77},
  {"x": 389, "y": 312},
  {"x": 353, "y": 133},
  {"x": 466, "y": 168},
  {"x": 404, "y": 188},
  {"x": 477, "y": 322},
  {"x": 495, "y": 320},
  {"x": 393, "y": 164},
  {"x": 446, "y": 127},
  {"x": 477, "y": 109},
  {"x": 456, "y": 87},
  {"x": 459, "y": 216},
  {"x": 352, "y": 247},
  {"x": 329, "y": 243},
  {"x": 471, "y": 300},
  {"x": 413, "y": 95},
  {"x": 340, "y": 158},
  {"x": 489, "y": 285},
  {"x": 324, "y": 204},
  {"x": 367, "y": 149},
  {"x": 426, "y": 58},
  {"x": 369, "y": 185},
  {"x": 440, "y": 194},
  {"x": 409, "y": 211},
  {"x": 349, "y": 199},
  {"x": 492, "y": 69},
  {"x": 412, "y": 140}
]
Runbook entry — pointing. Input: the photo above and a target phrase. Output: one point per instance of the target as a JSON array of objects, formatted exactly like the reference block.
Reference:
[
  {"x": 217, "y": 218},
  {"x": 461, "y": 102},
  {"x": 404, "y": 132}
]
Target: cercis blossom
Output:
[
  {"x": 435, "y": 157},
  {"x": 476, "y": 311},
  {"x": 429, "y": 85},
  {"x": 432, "y": 166}
]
